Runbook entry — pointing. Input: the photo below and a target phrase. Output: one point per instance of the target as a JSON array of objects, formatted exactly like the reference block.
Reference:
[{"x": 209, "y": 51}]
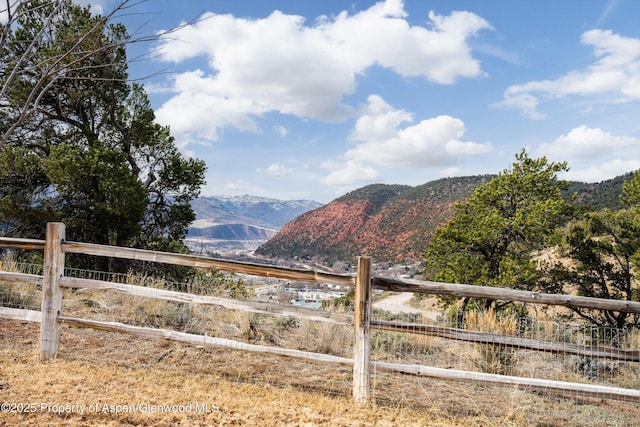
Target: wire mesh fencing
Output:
[
  {"x": 20, "y": 295},
  {"x": 538, "y": 349},
  {"x": 237, "y": 327},
  {"x": 511, "y": 347}
]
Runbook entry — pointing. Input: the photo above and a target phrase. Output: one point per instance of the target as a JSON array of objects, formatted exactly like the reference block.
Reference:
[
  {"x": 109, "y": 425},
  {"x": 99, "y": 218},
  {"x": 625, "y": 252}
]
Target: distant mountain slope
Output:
[
  {"x": 233, "y": 232},
  {"x": 259, "y": 211},
  {"x": 394, "y": 223},
  {"x": 600, "y": 195},
  {"x": 386, "y": 222},
  {"x": 240, "y": 223}
]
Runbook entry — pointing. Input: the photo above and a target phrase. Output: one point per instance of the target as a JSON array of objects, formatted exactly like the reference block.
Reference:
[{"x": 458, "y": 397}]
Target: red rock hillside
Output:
[{"x": 390, "y": 223}]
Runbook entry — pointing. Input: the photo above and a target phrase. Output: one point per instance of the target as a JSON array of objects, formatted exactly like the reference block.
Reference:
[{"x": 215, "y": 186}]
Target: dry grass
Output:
[
  {"x": 94, "y": 368},
  {"x": 493, "y": 358},
  {"x": 97, "y": 368}
]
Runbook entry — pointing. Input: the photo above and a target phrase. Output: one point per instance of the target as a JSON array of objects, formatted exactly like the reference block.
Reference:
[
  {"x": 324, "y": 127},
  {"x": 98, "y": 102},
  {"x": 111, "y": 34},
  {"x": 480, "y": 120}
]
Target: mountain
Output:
[
  {"x": 394, "y": 223},
  {"x": 240, "y": 223},
  {"x": 386, "y": 222},
  {"x": 600, "y": 195}
]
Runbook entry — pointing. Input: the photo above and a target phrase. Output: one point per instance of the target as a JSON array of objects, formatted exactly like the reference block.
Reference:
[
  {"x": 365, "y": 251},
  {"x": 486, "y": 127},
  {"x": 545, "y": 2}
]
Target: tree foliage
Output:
[
  {"x": 604, "y": 251},
  {"x": 493, "y": 235},
  {"x": 79, "y": 141},
  {"x": 601, "y": 247},
  {"x": 631, "y": 192}
]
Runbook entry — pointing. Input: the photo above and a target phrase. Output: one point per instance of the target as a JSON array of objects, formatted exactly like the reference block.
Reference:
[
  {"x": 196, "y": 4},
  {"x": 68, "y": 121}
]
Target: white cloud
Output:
[
  {"x": 200, "y": 111},
  {"x": 349, "y": 173},
  {"x": 586, "y": 142},
  {"x": 281, "y": 130},
  {"x": 498, "y": 52},
  {"x": 452, "y": 171},
  {"x": 516, "y": 97},
  {"x": 614, "y": 77},
  {"x": 609, "y": 8},
  {"x": 4, "y": 15},
  {"x": 431, "y": 142},
  {"x": 384, "y": 142},
  {"x": 276, "y": 169},
  {"x": 378, "y": 121},
  {"x": 280, "y": 63},
  {"x": 231, "y": 187},
  {"x": 604, "y": 171}
]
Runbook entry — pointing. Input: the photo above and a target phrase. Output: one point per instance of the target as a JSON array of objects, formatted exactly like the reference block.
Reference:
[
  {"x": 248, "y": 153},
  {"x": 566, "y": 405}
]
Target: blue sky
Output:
[{"x": 312, "y": 99}]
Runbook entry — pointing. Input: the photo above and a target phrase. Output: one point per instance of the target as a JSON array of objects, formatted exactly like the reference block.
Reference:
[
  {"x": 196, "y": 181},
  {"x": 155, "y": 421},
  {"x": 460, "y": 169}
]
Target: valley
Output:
[
  {"x": 389, "y": 223},
  {"x": 238, "y": 225}
]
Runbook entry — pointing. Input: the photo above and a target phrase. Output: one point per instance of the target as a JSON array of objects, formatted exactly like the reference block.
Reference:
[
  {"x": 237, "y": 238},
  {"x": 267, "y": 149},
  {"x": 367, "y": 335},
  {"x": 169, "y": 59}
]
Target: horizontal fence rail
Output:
[
  {"x": 506, "y": 294},
  {"x": 204, "y": 262},
  {"x": 53, "y": 281},
  {"x": 155, "y": 333},
  {"x": 28, "y": 244},
  {"x": 509, "y": 341},
  {"x": 21, "y": 314},
  {"x": 32, "y": 279},
  {"x": 232, "y": 304},
  {"x": 531, "y": 384}
]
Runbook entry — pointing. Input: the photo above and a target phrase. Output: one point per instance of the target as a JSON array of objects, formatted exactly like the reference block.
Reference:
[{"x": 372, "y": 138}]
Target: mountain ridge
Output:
[
  {"x": 394, "y": 223},
  {"x": 385, "y": 221},
  {"x": 239, "y": 224}
]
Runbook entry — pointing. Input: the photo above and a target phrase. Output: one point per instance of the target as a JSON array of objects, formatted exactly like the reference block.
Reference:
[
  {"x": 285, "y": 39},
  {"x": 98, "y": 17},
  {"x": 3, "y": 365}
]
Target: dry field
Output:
[
  {"x": 99, "y": 376},
  {"x": 208, "y": 387}
]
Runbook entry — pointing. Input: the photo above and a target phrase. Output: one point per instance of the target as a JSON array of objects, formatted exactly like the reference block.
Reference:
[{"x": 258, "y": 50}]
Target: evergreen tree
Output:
[
  {"x": 602, "y": 247},
  {"x": 494, "y": 235},
  {"x": 604, "y": 252},
  {"x": 89, "y": 153}
]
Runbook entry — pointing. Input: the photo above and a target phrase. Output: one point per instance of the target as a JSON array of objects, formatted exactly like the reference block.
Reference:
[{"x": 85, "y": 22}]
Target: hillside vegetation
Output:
[
  {"x": 601, "y": 195},
  {"x": 394, "y": 223}
]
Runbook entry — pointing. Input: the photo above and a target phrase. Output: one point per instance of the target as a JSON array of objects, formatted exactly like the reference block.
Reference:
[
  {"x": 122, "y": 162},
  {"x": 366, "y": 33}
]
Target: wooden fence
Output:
[{"x": 53, "y": 282}]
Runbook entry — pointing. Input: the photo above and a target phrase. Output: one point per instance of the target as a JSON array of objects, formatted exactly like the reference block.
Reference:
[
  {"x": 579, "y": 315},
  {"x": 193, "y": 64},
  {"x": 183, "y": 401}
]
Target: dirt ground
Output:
[
  {"x": 397, "y": 303},
  {"x": 108, "y": 379}
]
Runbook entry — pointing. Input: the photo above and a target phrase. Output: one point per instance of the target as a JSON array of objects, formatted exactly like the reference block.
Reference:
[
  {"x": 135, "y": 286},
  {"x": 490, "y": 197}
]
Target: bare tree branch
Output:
[{"x": 69, "y": 65}]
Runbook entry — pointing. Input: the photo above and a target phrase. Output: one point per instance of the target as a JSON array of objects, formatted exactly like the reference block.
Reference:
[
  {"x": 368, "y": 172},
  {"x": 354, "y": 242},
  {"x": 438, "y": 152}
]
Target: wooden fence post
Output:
[
  {"x": 51, "y": 291},
  {"x": 362, "y": 322}
]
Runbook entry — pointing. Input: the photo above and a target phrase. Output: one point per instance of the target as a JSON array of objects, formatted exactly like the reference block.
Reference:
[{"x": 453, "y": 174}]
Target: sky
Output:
[{"x": 312, "y": 99}]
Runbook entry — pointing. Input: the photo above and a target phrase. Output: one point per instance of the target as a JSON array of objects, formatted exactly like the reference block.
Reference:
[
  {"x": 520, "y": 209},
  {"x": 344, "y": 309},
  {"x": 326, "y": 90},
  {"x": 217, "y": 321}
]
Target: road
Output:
[{"x": 397, "y": 304}]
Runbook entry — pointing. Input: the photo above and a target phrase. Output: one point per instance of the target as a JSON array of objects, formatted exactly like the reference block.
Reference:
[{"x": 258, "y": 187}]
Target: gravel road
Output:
[{"x": 397, "y": 304}]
